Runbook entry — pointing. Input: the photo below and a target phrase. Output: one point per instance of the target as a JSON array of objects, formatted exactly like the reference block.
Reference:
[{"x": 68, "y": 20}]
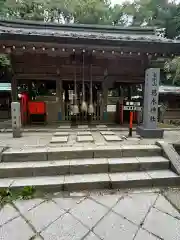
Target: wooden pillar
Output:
[
  {"x": 59, "y": 98},
  {"x": 14, "y": 90},
  {"x": 105, "y": 98}
]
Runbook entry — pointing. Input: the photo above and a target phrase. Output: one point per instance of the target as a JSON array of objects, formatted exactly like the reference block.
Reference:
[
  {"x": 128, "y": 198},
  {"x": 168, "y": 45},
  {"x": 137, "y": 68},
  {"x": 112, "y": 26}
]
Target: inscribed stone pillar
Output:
[
  {"x": 150, "y": 108},
  {"x": 16, "y": 119}
]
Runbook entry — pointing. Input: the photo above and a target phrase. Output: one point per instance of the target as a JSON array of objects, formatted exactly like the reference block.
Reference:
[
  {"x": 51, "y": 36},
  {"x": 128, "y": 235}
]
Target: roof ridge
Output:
[{"x": 104, "y": 28}]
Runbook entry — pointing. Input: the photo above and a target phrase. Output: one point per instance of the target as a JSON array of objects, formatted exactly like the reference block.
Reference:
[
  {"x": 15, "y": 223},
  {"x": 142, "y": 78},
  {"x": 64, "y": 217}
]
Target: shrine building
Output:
[{"x": 86, "y": 72}]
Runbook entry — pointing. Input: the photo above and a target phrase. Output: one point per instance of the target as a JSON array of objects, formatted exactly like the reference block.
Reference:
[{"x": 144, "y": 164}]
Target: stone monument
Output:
[
  {"x": 16, "y": 119},
  {"x": 150, "y": 108}
]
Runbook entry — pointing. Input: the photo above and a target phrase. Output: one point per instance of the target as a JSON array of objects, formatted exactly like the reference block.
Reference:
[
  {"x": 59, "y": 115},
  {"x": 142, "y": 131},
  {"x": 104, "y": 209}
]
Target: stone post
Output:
[
  {"x": 16, "y": 119},
  {"x": 150, "y": 108}
]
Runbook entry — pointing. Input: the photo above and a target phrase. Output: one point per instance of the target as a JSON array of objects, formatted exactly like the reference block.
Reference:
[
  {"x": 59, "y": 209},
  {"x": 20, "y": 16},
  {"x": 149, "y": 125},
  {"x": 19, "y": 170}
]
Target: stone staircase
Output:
[{"x": 73, "y": 169}]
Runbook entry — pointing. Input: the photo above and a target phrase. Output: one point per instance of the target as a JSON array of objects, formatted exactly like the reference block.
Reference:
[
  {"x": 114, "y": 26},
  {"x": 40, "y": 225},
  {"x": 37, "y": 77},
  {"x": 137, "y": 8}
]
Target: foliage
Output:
[
  {"x": 7, "y": 195},
  {"x": 28, "y": 192},
  {"x": 4, "y": 61},
  {"x": 172, "y": 69}
]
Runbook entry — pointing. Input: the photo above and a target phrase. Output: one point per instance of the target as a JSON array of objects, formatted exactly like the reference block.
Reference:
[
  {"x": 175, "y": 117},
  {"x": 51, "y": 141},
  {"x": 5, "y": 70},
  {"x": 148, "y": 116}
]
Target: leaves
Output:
[
  {"x": 172, "y": 70},
  {"x": 4, "y": 61},
  {"x": 8, "y": 195}
]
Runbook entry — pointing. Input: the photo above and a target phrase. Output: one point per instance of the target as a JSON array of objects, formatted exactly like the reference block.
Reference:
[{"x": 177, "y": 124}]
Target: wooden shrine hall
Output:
[{"x": 81, "y": 72}]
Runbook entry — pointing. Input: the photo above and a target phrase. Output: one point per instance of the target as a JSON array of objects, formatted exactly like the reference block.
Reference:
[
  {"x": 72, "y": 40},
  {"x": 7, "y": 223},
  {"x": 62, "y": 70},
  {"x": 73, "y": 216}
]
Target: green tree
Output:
[
  {"x": 23, "y": 9},
  {"x": 161, "y": 13},
  {"x": 172, "y": 70}
]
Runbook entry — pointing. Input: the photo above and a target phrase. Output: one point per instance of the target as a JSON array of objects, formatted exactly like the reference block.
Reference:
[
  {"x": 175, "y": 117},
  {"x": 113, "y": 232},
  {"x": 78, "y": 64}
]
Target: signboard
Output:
[
  {"x": 151, "y": 96},
  {"x": 132, "y": 108},
  {"x": 111, "y": 108}
]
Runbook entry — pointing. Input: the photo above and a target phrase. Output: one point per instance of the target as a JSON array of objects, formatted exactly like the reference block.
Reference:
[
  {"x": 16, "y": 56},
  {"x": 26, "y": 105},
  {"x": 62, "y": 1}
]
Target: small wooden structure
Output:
[{"x": 77, "y": 64}]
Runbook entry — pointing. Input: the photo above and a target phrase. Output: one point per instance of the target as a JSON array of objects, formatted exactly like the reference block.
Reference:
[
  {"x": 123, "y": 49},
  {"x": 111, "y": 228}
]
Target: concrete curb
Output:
[
  {"x": 50, "y": 130},
  {"x": 171, "y": 154}
]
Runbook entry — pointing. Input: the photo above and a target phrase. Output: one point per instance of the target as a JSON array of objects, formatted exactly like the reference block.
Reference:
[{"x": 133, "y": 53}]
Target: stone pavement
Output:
[
  {"x": 131, "y": 215},
  {"x": 40, "y": 139}
]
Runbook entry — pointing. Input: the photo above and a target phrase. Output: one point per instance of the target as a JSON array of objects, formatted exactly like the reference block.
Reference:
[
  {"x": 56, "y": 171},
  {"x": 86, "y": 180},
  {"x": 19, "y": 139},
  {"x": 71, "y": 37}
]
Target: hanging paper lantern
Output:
[
  {"x": 91, "y": 109},
  {"x": 84, "y": 106},
  {"x": 75, "y": 109}
]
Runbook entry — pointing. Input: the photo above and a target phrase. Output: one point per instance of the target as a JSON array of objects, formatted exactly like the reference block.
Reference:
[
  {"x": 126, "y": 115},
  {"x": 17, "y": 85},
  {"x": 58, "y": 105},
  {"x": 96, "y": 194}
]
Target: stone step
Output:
[
  {"x": 81, "y": 166},
  {"x": 155, "y": 178},
  {"x": 64, "y": 153}
]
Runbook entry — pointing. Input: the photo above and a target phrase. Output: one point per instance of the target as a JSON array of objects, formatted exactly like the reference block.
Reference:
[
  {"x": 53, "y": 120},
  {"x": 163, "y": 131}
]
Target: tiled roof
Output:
[{"x": 81, "y": 31}]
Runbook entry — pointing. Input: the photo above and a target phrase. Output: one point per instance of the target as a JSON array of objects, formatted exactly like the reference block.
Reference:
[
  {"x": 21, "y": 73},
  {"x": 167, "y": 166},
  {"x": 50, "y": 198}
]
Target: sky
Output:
[
  {"x": 117, "y": 1},
  {"x": 120, "y": 1}
]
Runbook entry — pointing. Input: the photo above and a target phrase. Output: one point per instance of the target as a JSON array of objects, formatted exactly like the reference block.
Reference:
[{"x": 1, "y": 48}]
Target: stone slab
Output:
[
  {"x": 44, "y": 214},
  {"x": 64, "y": 153},
  {"x": 107, "y": 200},
  {"x": 91, "y": 236},
  {"x": 65, "y": 127},
  {"x": 26, "y": 205},
  {"x": 164, "y": 178},
  {"x": 123, "y": 164},
  {"x": 85, "y": 139},
  {"x": 144, "y": 235},
  {"x": 151, "y": 163},
  {"x": 130, "y": 179},
  {"x": 54, "y": 183},
  {"x": 67, "y": 203},
  {"x": 36, "y": 168},
  {"x": 86, "y": 166},
  {"x": 112, "y": 226},
  {"x": 136, "y": 206},
  {"x": 84, "y": 133},
  {"x": 149, "y": 133},
  {"x": 89, "y": 212},
  {"x": 17, "y": 229},
  {"x": 25, "y": 154},
  {"x": 173, "y": 195},
  {"x": 86, "y": 181},
  {"x": 170, "y": 226},
  {"x": 82, "y": 126},
  {"x": 171, "y": 154},
  {"x": 112, "y": 138},
  {"x": 62, "y": 139},
  {"x": 7, "y": 213},
  {"x": 107, "y": 133},
  {"x": 65, "y": 228},
  {"x": 101, "y": 126},
  {"x": 141, "y": 150},
  {"x": 59, "y": 134},
  {"x": 165, "y": 206}
]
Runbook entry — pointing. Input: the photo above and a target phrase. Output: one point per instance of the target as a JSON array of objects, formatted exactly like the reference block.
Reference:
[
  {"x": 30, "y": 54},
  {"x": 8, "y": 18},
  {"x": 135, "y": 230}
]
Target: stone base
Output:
[
  {"x": 149, "y": 133},
  {"x": 17, "y": 133}
]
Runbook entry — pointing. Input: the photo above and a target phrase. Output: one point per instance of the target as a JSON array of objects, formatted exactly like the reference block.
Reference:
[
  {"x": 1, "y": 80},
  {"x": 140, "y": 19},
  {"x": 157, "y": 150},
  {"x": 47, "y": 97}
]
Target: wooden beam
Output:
[{"x": 115, "y": 78}]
